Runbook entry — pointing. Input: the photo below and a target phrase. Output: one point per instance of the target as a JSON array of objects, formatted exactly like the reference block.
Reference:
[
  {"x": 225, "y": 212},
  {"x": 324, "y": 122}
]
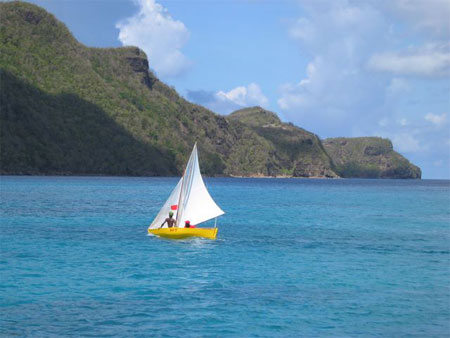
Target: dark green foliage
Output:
[
  {"x": 213, "y": 164},
  {"x": 69, "y": 136},
  {"x": 354, "y": 169}
]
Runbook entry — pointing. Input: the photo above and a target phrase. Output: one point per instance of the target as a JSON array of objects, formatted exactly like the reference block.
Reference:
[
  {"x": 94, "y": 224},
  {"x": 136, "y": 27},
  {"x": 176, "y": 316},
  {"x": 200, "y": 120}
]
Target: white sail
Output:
[
  {"x": 164, "y": 212},
  {"x": 191, "y": 198},
  {"x": 196, "y": 204}
]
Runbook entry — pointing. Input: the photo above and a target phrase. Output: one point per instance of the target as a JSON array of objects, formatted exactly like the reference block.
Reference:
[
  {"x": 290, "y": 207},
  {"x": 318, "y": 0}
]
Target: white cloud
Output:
[
  {"x": 245, "y": 96},
  {"x": 159, "y": 35},
  {"x": 298, "y": 96},
  {"x": 340, "y": 36},
  {"x": 430, "y": 15},
  {"x": 437, "y": 120},
  {"x": 429, "y": 60},
  {"x": 225, "y": 102}
]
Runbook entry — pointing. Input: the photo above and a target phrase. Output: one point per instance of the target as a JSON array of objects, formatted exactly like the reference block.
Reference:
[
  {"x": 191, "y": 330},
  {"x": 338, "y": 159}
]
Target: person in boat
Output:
[
  {"x": 169, "y": 220},
  {"x": 188, "y": 224}
]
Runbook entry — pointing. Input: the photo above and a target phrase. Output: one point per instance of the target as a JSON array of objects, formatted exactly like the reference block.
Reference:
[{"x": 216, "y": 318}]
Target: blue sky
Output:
[{"x": 336, "y": 68}]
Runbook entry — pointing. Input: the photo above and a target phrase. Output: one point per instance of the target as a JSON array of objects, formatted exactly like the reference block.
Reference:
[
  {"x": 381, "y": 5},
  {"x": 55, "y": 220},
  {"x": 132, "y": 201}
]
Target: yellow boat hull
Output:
[{"x": 181, "y": 233}]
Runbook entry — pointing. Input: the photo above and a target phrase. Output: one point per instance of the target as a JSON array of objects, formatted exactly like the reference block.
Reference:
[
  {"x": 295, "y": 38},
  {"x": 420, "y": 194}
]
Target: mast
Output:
[{"x": 181, "y": 200}]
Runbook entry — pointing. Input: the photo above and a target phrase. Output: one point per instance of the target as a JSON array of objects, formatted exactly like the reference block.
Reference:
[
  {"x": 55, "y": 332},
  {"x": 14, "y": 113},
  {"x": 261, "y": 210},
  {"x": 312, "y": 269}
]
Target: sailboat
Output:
[{"x": 189, "y": 201}]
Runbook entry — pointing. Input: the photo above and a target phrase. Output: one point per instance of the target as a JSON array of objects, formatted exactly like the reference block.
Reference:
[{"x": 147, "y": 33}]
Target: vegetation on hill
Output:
[
  {"x": 67, "y": 83},
  {"x": 69, "y": 109},
  {"x": 368, "y": 157},
  {"x": 295, "y": 151},
  {"x": 72, "y": 137}
]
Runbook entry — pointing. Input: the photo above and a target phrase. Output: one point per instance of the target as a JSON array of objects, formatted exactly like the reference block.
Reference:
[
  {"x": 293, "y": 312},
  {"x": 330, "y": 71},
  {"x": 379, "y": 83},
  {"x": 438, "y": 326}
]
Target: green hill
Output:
[
  {"x": 64, "y": 103},
  {"x": 369, "y": 157},
  {"x": 69, "y": 109},
  {"x": 295, "y": 151}
]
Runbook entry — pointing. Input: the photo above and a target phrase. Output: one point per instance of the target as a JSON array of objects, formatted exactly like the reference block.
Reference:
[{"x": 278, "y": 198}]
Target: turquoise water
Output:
[{"x": 293, "y": 258}]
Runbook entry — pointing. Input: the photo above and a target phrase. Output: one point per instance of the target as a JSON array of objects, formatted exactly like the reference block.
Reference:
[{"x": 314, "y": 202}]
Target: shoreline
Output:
[
  {"x": 216, "y": 176},
  {"x": 112, "y": 175},
  {"x": 284, "y": 176}
]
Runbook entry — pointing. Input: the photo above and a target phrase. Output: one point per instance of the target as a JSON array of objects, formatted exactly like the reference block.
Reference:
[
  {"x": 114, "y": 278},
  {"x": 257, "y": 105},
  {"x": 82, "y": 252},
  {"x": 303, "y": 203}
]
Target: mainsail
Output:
[{"x": 190, "y": 198}]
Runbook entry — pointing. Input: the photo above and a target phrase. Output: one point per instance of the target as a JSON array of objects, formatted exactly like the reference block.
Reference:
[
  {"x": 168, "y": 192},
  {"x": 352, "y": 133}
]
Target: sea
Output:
[{"x": 293, "y": 258}]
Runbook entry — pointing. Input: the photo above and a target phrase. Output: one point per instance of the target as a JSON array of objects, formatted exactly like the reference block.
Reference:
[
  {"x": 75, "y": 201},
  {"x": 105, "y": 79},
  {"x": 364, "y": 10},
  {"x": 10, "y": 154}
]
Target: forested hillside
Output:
[{"x": 69, "y": 109}]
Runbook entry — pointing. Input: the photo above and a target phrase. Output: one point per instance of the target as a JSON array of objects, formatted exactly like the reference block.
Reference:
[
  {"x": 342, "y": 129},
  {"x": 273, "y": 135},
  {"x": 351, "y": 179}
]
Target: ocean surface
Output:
[{"x": 294, "y": 257}]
